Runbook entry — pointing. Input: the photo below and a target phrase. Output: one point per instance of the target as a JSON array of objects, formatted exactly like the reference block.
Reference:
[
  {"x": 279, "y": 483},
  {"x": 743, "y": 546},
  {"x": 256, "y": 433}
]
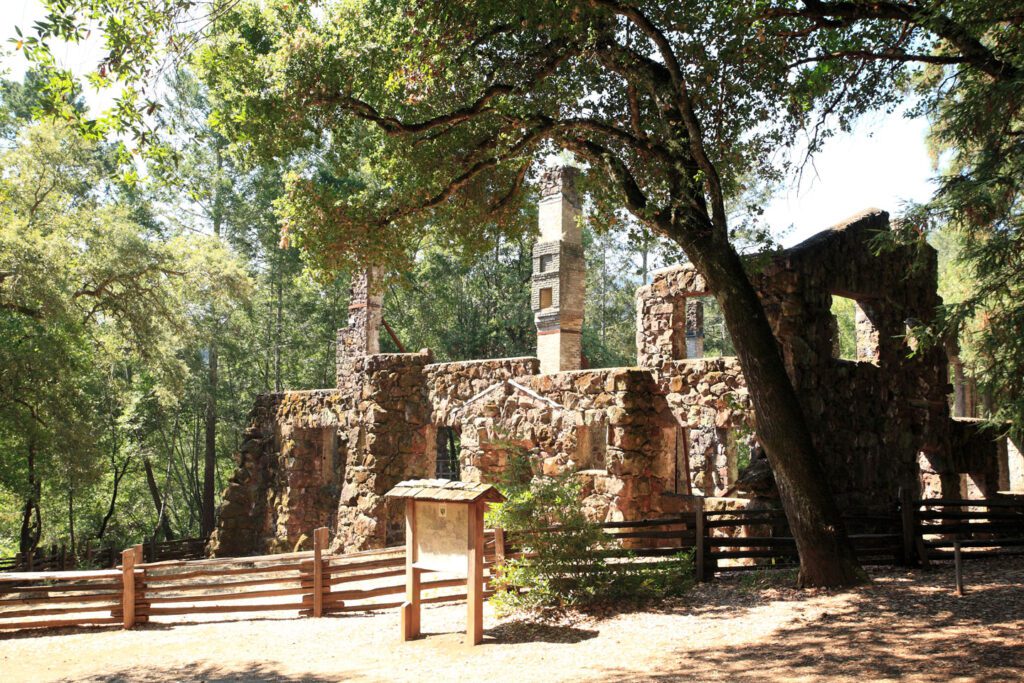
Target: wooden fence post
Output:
[
  {"x": 140, "y": 583},
  {"x": 907, "y": 522},
  {"x": 128, "y": 588},
  {"x": 959, "y": 564},
  {"x": 319, "y": 545},
  {"x": 699, "y": 534}
]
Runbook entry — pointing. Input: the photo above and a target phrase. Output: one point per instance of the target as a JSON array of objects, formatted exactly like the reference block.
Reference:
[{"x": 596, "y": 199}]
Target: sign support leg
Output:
[
  {"x": 411, "y": 606},
  {"x": 475, "y": 576}
]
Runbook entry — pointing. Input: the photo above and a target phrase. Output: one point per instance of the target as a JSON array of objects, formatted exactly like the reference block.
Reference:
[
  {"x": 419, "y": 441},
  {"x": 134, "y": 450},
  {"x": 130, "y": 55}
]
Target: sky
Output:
[{"x": 882, "y": 163}]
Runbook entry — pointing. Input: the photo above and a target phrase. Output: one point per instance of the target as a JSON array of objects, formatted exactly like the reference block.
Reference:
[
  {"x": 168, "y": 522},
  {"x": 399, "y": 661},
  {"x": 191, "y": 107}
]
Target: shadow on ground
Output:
[
  {"x": 208, "y": 674},
  {"x": 898, "y": 627},
  {"x": 531, "y": 632}
]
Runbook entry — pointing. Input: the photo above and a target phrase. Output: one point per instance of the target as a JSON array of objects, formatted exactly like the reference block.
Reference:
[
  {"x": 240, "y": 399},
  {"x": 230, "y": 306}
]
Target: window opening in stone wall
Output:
[
  {"x": 546, "y": 261},
  {"x": 844, "y": 328},
  {"x": 717, "y": 341},
  {"x": 592, "y": 445},
  {"x": 545, "y": 297},
  {"x": 854, "y": 334},
  {"x": 331, "y": 468},
  {"x": 448, "y": 448}
]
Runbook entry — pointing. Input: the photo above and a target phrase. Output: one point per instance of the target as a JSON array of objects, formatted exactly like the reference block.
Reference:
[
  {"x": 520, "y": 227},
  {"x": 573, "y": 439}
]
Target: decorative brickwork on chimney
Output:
[{"x": 559, "y": 274}]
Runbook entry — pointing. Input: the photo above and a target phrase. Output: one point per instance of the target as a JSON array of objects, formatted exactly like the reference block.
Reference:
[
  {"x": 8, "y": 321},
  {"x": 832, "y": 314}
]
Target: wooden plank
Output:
[
  {"x": 14, "y": 577},
  {"x": 990, "y": 515},
  {"x": 59, "y": 623},
  {"x": 59, "y": 588},
  {"x": 391, "y": 589},
  {"x": 105, "y": 607},
  {"x": 680, "y": 534},
  {"x": 181, "y": 576},
  {"x": 226, "y": 585},
  {"x": 89, "y": 597},
  {"x": 745, "y": 554},
  {"x": 335, "y": 581},
  {"x": 218, "y": 609},
  {"x": 961, "y": 502},
  {"x": 217, "y": 597},
  {"x": 974, "y": 542}
]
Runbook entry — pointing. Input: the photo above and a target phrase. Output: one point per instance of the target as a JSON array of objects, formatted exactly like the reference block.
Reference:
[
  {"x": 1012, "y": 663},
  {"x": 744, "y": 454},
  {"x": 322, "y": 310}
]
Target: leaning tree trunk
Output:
[{"x": 826, "y": 554}]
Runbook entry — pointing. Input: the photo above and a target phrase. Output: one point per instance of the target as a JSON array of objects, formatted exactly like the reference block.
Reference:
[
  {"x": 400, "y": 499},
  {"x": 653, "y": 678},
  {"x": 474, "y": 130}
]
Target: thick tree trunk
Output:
[
  {"x": 826, "y": 554},
  {"x": 207, "y": 520}
]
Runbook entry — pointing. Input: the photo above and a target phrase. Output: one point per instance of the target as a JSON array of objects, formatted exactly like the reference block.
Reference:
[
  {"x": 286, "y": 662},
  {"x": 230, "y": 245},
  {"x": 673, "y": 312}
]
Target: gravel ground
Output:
[{"x": 906, "y": 625}]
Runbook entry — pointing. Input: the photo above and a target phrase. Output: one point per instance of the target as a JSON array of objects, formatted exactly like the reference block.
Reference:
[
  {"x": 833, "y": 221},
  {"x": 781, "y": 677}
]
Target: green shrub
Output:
[{"x": 567, "y": 563}]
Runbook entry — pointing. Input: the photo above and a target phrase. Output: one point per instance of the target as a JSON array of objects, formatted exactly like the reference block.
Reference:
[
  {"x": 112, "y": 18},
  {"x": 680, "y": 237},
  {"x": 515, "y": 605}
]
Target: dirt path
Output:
[{"x": 906, "y": 625}]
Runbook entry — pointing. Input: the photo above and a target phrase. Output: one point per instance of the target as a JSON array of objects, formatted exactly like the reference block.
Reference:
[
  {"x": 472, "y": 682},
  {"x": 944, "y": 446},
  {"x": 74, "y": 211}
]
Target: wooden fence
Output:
[
  {"x": 742, "y": 540},
  {"x": 311, "y": 583},
  {"x": 982, "y": 528},
  {"x": 316, "y": 582}
]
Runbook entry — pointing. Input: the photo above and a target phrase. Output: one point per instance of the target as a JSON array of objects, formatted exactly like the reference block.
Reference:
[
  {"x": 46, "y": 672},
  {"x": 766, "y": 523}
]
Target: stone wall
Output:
[
  {"x": 325, "y": 458},
  {"x": 709, "y": 400},
  {"x": 288, "y": 474},
  {"x": 643, "y": 438},
  {"x": 611, "y": 424},
  {"x": 870, "y": 418},
  {"x": 450, "y": 385}
]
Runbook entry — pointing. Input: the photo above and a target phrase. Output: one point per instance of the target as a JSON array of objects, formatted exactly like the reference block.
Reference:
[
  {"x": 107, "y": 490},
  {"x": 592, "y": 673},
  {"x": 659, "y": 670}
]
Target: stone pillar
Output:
[
  {"x": 362, "y": 336},
  {"x": 559, "y": 274},
  {"x": 694, "y": 328}
]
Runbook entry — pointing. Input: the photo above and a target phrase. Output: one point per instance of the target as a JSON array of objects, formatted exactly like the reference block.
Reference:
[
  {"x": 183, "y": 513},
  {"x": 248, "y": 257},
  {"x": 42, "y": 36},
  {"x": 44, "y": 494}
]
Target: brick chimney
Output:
[
  {"x": 559, "y": 274},
  {"x": 362, "y": 336}
]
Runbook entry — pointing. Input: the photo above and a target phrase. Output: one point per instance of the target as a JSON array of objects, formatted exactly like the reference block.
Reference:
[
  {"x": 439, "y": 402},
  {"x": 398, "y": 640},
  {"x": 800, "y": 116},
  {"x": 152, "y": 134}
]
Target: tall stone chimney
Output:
[
  {"x": 559, "y": 274},
  {"x": 362, "y": 336}
]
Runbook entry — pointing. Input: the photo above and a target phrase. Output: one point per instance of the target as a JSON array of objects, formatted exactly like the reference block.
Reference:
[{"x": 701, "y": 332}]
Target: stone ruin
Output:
[{"x": 646, "y": 439}]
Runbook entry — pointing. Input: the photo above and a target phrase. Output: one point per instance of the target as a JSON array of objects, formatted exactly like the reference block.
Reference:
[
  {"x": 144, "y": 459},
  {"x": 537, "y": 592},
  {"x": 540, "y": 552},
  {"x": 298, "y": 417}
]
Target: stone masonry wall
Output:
[
  {"x": 612, "y": 424},
  {"x": 450, "y": 385},
  {"x": 326, "y": 458}
]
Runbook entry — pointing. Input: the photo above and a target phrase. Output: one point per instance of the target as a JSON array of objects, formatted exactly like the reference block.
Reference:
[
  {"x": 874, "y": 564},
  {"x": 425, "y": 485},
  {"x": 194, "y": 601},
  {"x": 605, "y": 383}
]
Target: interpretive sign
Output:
[
  {"x": 442, "y": 536},
  {"x": 444, "y": 532}
]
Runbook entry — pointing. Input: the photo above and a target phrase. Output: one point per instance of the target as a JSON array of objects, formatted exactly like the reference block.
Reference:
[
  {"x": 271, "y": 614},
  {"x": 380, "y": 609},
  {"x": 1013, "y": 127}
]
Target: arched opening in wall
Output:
[
  {"x": 715, "y": 337},
  {"x": 448, "y": 449}
]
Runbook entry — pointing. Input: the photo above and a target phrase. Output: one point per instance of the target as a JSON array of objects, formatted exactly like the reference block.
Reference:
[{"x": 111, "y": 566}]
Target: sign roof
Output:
[{"x": 445, "y": 490}]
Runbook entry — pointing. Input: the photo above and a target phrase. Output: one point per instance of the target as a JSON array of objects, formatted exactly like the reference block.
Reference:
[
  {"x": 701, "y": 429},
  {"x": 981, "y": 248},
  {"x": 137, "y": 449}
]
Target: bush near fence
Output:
[
  {"x": 59, "y": 558},
  {"x": 315, "y": 583}
]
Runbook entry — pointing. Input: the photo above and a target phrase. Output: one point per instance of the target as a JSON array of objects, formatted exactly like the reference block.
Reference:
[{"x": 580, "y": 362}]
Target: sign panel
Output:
[{"x": 442, "y": 536}]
